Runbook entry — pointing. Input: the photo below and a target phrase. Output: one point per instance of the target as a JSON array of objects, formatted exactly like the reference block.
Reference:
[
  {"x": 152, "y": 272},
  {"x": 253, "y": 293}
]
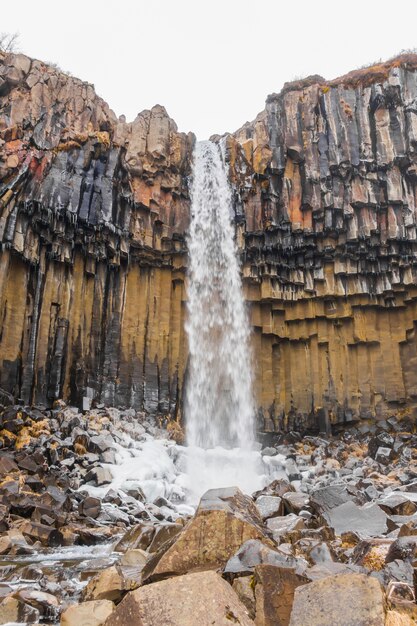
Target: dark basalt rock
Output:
[
  {"x": 253, "y": 553},
  {"x": 367, "y": 520}
]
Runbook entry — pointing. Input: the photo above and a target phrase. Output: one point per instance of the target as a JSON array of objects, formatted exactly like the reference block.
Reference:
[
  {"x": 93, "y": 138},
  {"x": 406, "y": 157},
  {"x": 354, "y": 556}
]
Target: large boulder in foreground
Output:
[
  {"x": 92, "y": 613},
  {"x": 223, "y": 521},
  {"x": 345, "y": 600},
  {"x": 274, "y": 594},
  {"x": 202, "y": 598}
]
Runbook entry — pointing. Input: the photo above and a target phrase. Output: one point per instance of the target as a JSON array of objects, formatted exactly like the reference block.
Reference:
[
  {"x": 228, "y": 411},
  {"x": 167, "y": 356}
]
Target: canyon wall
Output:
[
  {"x": 326, "y": 196},
  {"x": 93, "y": 216}
]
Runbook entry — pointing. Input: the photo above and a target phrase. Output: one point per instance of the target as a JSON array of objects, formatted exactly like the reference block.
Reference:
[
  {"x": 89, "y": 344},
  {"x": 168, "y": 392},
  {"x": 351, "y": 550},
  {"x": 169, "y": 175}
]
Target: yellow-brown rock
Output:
[
  {"x": 92, "y": 613},
  {"x": 345, "y": 599},
  {"x": 109, "y": 584},
  {"x": 202, "y": 598},
  {"x": 274, "y": 594},
  {"x": 223, "y": 521}
]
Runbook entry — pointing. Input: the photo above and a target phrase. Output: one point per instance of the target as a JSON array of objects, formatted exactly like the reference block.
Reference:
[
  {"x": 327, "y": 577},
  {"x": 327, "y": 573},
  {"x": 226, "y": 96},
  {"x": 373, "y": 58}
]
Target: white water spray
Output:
[
  {"x": 219, "y": 406},
  {"x": 219, "y": 402}
]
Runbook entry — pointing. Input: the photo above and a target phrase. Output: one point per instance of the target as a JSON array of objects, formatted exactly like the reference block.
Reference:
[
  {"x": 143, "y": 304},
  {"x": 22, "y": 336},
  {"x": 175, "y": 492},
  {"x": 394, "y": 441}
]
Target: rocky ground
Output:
[{"x": 331, "y": 540}]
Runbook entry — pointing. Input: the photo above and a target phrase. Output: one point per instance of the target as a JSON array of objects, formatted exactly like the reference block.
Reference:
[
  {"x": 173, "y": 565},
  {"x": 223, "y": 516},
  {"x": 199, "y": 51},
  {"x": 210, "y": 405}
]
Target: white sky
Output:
[{"x": 212, "y": 63}]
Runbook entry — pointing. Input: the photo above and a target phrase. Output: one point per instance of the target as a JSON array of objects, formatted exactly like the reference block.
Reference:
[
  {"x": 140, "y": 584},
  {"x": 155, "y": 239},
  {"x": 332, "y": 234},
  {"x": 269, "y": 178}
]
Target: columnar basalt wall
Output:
[
  {"x": 325, "y": 186},
  {"x": 93, "y": 216}
]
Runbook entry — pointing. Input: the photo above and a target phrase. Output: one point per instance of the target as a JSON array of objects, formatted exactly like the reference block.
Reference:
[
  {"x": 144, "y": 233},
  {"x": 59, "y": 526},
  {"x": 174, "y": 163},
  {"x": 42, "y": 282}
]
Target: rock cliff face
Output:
[
  {"x": 325, "y": 182},
  {"x": 93, "y": 216}
]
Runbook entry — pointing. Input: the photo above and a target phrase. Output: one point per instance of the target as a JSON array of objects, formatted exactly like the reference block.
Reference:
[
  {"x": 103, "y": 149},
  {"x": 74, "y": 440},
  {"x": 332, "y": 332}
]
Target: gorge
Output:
[
  {"x": 94, "y": 213},
  {"x": 208, "y": 356}
]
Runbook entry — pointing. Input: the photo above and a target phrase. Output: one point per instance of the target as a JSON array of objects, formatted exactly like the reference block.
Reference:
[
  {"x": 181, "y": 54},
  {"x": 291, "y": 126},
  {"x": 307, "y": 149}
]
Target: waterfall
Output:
[{"x": 219, "y": 402}]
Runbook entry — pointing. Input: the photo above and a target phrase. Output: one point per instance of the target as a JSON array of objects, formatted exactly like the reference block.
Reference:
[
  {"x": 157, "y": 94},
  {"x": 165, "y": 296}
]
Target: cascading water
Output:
[
  {"x": 219, "y": 404},
  {"x": 221, "y": 450}
]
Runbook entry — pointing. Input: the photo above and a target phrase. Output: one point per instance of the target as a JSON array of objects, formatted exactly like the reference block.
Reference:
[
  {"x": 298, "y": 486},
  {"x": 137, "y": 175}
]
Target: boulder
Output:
[
  {"x": 200, "y": 598},
  {"x": 109, "y": 584},
  {"x": 326, "y": 498},
  {"x": 276, "y": 488},
  {"x": 280, "y": 526},
  {"x": 46, "y": 603},
  {"x": 139, "y": 536},
  {"x": 274, "y": 594},
  {"x": 397, "y": 503},
  {"x": 367, "y": 520},
  {"x": 90, "y": 507},
  {"x": 92, "y": 613},
  {"x": 14, "y": 610},
  {"x": 269, "y": 506},
  {"x": 253, "y": 553},
  {"x": 164, "y": 533},
  {"x": 294, "y": 502},
  {"x": 345, "y": 600},
  {"x": 403, "y": 548},
  {"x": 223, "y": 521}
]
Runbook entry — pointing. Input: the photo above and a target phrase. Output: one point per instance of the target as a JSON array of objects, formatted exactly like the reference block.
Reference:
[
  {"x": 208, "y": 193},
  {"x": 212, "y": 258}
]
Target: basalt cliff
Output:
[{"x": 93, "y": 219}]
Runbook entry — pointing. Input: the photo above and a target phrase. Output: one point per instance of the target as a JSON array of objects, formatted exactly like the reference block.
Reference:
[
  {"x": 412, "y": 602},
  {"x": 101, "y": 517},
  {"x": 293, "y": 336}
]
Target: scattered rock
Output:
[
  {"x": 274, "y": 594},
  {"x": 344, "y": 599},
  {"x": 93, "y": 613},
  {"x": 367, "y": 520},
  {"x": 223, "y": 521},
  {"x": 201, "y": 598}
]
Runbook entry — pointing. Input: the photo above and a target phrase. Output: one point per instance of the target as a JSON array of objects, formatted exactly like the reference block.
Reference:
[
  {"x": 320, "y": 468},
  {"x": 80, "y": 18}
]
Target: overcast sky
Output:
[{"x": 211, "y": 64}]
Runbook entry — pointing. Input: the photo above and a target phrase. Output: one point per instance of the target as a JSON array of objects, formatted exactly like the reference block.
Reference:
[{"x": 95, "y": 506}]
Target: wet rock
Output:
[
  {"x": 326, "y": 498},
  {"x": 93, "y": 613},
  {"x": 294, "y": 502},
  {"x": 277, "y": 488},
  {"x": 269, "y": 506},
  {"x": 197, "y": 598},
  {"x": 108, "y": 584},
  {"x": 274, "y": 594},
  {"x": 164, "y": 533},
  {"x": 224, "y": 520},
  {"x": 90, "y": 507},
  {"x": 46, "y": 603},
  {"x": 99, "y": 476},
  {"x": 139, "y": 536},
  {"x": 281, "y": 526},
  {"x": 12, "y": 610},
  {"x": 367, "y": 520},
  {"x": 344, "y": 599},
  {"x": 253, "y": 553},
  {"x": 47, "y": 535}
]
